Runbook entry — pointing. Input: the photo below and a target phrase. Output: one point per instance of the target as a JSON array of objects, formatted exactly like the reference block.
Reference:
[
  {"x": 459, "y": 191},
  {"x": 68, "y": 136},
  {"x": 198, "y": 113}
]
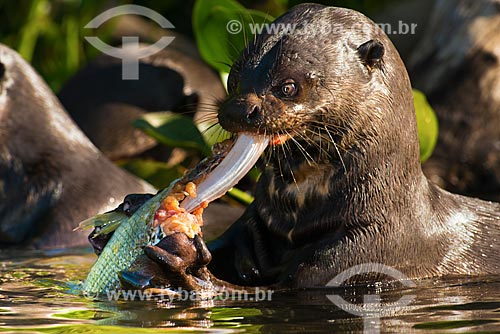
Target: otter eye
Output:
[{"x": 289, "y": 89}]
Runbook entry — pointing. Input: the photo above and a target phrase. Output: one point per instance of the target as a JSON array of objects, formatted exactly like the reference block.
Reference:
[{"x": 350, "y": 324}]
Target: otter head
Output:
[
  {"x": 326, "y": 78},
  {"x": 331, "y": 82}
]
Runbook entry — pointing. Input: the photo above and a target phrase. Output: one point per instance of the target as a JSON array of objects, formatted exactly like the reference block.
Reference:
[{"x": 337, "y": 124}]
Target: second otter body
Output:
[{"x": 51, "y": 176}]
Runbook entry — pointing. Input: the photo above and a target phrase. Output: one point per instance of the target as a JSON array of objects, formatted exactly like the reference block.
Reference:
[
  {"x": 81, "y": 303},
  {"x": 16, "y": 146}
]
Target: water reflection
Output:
[{"x": 35, "y": 297}]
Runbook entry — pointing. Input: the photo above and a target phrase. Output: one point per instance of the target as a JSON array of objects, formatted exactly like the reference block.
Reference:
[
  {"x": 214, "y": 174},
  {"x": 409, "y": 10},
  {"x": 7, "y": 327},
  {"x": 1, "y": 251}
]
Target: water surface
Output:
[{"x": 38, "y": 295}]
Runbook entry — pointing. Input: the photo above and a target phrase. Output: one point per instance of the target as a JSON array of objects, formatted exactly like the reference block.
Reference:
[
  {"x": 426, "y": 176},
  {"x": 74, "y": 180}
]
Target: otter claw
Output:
[
  {"x": 98, "y": 242},
  {"x": 183, "y": 260},
  {"x": 175, "y": 252},
  {"x": 131, "y": 203},
  {"x": 168, "y": 261},
  {"x": 203, "y": 254}
]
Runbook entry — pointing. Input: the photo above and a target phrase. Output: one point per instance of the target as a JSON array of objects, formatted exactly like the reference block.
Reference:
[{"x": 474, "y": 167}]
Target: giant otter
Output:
[
  {"x": 462, "y": 81},
  {"x": 347, "y": 187},
  {"x": 51, "y": 176}
]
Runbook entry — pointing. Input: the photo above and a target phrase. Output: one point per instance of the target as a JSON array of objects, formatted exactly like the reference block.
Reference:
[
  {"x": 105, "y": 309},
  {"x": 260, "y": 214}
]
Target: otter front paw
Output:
[
  {"x": 183, "y": 261},
  {"x": 98, "y": 241},
  {"x": 131, "y": 203}
]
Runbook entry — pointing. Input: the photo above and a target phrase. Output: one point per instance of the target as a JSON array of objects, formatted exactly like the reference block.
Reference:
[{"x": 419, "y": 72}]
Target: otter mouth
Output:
[
  {"x": 242, "y": 156},
  {"x": 279, "y": 139}
]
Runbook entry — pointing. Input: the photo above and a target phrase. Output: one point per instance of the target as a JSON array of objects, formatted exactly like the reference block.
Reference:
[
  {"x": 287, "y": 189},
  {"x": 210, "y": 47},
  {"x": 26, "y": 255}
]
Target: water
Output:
[{"x": 35, "y": 297}]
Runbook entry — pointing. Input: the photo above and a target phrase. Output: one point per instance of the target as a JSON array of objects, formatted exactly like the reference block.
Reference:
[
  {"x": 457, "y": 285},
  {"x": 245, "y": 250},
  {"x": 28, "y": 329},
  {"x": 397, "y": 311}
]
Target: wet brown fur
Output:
[{"x": 348, "y": 188}]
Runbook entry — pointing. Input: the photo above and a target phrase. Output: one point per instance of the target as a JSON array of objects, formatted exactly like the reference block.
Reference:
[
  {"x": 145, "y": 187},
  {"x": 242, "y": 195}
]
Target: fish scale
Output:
[{"x": 124, "y": 247}]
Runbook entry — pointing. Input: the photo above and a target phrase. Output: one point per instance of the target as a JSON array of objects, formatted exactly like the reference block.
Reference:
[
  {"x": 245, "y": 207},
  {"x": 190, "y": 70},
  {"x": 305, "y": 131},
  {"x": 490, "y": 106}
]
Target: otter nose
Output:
[
  {"x": 241, "y": 113},
  {"x": 252, "y": 105},
  {"x": 253, "y": 111}
]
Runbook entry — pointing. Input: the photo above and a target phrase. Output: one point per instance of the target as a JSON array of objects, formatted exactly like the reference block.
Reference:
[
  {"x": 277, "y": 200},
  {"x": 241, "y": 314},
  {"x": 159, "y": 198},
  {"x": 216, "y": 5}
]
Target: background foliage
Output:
[{"x": 50, "y": 35}]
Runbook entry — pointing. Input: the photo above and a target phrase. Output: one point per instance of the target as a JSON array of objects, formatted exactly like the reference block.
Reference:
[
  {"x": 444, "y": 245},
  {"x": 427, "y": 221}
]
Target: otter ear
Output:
[{"x": 371, "y": 53}]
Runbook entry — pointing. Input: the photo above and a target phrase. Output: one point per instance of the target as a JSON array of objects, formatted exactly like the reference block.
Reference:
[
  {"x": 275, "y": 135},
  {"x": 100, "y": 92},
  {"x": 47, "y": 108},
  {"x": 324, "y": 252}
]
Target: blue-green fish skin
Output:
[{"x": 124, "y": 247}]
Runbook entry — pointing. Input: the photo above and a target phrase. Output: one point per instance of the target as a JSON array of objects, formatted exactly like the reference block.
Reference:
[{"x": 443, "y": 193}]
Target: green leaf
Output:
[
  {"x": 38, "y": 22},
  {"x": 173, "y": 130},
  {"x": 233, "y": 313},
  {"x": 85, "y": 314},
  {"x": 240, "y": 196},
  {"x": 427, "y": 124},
  {"x": 156, "y": 173},
  {"x": 221, "y": 29},
  {"x": 213, "y": 133}
]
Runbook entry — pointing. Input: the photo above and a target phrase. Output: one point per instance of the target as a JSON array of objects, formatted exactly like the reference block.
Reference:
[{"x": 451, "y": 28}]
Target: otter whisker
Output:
[
  {"x": 328, "y": 139},
  {"x": 208, "y": 118},
  {"x": 279, "y": 165},
  {"x": 337, "y": 149},
  {"x": 322, "y": 139},
  {"x": 210, "y": 107},
  {"x": 208, "y": 112},
  {"x": 320, "y": 143},
  {"x": 210, "y": 127},
  {"x": 309, "y": 159},
  {"x": 235, "y": 52},
  {"x": 323, "y": 123},
  {"x": 286, "y": 158},
  {"x": 191, "y": 113}
]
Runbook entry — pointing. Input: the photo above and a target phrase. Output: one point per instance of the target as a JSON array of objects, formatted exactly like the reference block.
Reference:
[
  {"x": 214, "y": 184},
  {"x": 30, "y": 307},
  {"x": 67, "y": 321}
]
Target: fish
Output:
[
  {"x": 214, "y": 177},
  {"x": 130, "y": 236}
]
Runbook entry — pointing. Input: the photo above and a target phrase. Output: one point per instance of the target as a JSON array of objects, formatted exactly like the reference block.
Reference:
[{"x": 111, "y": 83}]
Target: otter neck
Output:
[{"x": 368, "y": 185}]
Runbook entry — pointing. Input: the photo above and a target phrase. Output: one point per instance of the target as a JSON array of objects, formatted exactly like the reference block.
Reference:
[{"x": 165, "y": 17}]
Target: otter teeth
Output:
[{"x": 240, "y": 159}]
